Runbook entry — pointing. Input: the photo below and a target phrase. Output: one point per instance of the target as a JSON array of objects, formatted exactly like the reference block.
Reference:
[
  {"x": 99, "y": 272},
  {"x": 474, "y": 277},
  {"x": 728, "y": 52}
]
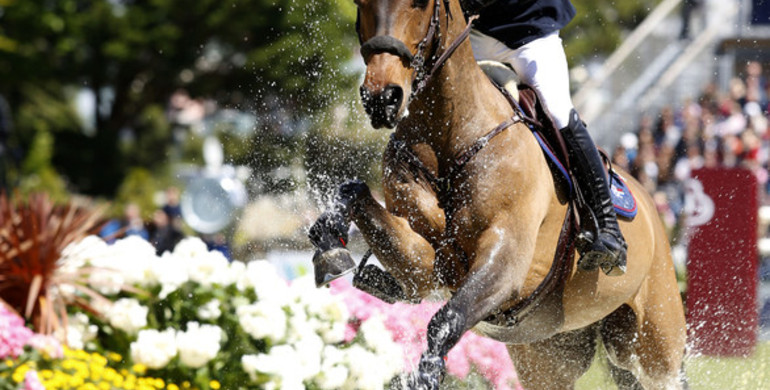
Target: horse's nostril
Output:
[
  {"x": 366, "y": 96},
  {"x": 383, "y": 106},
  {"x": 392, "y": 95}
]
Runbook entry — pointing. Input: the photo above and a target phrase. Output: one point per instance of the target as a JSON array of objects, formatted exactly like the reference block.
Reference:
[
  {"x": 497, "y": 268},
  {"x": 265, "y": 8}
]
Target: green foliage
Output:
[
  {"x": 284, "y": 60},
  {"x": 139, "y": 187}
]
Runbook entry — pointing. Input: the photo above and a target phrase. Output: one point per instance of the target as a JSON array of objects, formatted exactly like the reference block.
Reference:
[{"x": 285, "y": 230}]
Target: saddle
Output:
[{"x": 551, "y": 142}]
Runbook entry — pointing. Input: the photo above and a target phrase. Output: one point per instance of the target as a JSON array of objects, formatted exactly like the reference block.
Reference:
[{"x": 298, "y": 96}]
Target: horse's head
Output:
[{"x": 397, "y": 38}]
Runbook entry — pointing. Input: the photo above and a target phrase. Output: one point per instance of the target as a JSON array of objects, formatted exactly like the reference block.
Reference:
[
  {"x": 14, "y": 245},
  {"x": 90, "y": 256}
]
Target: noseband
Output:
[{"x": 389, "y": 44}]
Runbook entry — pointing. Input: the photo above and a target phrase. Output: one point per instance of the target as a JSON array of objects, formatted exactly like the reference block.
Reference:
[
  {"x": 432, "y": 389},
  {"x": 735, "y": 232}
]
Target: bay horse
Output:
[{"x": 472, "y": 208}]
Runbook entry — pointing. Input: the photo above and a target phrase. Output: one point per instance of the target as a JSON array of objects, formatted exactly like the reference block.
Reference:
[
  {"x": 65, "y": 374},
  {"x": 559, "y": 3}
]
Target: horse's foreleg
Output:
[
  {"x": 498, "y": 272},
  {"x": 404, "y": 253},
  {"x": 329, "y": 234}
]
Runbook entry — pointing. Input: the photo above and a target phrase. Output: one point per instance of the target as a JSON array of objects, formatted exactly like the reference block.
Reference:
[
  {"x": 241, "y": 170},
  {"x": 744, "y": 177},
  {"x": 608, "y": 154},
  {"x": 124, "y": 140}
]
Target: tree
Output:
[
  {"x": 133, "y": 54},
  {"x": 600, "y": 26}
]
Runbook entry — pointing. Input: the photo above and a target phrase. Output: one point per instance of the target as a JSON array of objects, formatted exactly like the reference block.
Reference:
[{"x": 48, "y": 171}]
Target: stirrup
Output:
[{"x": 595, "y": 254}]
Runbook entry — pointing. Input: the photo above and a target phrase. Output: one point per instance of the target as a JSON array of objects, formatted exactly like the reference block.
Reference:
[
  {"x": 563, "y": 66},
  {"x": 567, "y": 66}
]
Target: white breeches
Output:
[{"x": 541, "y": 64}]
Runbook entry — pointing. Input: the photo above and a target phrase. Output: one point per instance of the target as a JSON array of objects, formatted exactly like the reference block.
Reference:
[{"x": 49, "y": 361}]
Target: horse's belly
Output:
[{"x": 542, "y": 322}]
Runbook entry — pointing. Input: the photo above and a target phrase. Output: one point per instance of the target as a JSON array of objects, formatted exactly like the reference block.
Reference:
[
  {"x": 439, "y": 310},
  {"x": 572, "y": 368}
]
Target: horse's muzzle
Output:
[{"x": 383, "y": 107}]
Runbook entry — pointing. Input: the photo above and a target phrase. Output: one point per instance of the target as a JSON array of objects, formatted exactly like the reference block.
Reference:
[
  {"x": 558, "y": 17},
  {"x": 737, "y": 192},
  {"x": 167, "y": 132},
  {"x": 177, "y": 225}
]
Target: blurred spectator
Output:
[
  {"x": 172, "y": 208},
  {"x": 720, "y": 128},
  {"x": 218, "y": 242},
  {"x": 164, "y": 235},
  {"x": 688, "y": 6},
  {"x": 130, "y": 224}
]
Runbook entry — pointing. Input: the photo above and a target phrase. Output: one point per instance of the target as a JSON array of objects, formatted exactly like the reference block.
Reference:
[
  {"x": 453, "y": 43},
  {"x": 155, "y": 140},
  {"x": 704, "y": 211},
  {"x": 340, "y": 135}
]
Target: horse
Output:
[{"x": 472, "y": 208}]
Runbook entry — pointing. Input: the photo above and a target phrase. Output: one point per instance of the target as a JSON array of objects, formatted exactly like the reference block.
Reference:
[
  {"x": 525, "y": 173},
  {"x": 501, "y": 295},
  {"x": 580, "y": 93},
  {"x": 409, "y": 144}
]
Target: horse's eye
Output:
[{"x": 421, "y": 3}]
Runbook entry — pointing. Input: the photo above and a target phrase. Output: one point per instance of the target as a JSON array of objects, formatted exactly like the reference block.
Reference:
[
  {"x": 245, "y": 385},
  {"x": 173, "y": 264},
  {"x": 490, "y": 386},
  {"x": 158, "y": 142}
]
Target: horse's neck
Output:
[{"x": 458, "y": 106}]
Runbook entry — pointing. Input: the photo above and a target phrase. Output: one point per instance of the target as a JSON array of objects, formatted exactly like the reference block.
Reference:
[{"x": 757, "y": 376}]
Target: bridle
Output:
[{"x": 424, "y": 67}]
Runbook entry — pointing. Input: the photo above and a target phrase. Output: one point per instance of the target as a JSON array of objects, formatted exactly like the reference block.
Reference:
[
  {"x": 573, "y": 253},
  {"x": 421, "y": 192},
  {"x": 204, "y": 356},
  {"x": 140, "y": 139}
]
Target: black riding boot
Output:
[{"x": 608, "y": 250}]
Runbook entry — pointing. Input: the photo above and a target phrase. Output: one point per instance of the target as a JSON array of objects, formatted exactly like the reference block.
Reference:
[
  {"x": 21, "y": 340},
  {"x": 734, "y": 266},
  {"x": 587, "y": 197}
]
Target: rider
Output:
[{"x": 525, "y": 35}]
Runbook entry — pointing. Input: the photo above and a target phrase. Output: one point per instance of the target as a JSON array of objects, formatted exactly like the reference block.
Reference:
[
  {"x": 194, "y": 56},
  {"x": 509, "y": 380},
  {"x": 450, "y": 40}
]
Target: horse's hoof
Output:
[
  {"x": 332, "y": 264},
  {"x": 379, "y": 283}
]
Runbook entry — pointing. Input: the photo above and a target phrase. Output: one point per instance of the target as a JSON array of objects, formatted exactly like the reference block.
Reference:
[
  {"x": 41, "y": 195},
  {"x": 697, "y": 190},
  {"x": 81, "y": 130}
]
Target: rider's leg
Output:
[
  {"x": 608, "y": 249},
  {"x": 542, "y": 65}
]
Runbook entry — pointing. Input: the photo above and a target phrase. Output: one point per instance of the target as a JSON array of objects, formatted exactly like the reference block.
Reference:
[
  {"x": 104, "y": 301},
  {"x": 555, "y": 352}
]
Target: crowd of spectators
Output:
[
  {"x": 718, "y": 129},
  {"x": 164, "y": 231}
]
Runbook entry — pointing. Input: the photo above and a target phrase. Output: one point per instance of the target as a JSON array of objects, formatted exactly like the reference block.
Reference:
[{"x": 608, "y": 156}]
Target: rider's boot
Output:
[{"x": 608, "y": 250}]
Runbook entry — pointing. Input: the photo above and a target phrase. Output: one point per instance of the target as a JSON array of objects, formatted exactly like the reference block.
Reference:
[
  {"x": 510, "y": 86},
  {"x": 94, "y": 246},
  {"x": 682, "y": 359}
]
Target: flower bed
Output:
[{"x": 189, "y": 318}]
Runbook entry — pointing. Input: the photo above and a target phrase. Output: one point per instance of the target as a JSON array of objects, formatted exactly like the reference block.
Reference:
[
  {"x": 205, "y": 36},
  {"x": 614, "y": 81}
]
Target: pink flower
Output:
[
  {"x": 409, "y": 323},
  {"x": 32, "y": 382},
  {"x": 48, "y": 345},
  {"x": 13, "y": 334}
]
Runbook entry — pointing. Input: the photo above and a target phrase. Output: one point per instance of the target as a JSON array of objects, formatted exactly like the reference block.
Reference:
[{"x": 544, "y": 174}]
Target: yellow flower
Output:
[
  {"x": 172, "y": 386},
  {"x": 115, "y": 357},
  {"x": 98, "y": 359},
  {"x": 214, "y": 385},
  {"x": 186, "y": 384},
  {"x": 139, "y": 368},
  {"x": 20, "y": 373},
  {"x": 88, "y": 386},
  {"x": 118, "y": 381}
]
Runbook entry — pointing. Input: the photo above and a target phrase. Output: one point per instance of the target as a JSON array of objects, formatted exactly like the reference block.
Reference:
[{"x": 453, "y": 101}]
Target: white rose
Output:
[
  {"x": 133, "y": 256},
  {"x": 210, "y": 310},
  {"x": 209, "y": 268},
  {"x": 78, "y": 254},
  {"x": 304, "y": 290},
  {"x": 263, "y": 319},
  {"x": 170, "y": 272},
  {"x": 332, "y": 378},
  {"x": 106, "y": 281},
  {"x": 154, "y": 349},
  {"x": 333, "y": 372},
  {"x": 249, "y": 364},
  {"x": 379, "y": 339},
  {"x": 308, "y": 364},
  {"x": 128, "y": 315},
  {"x": 199, "y": 344},
  {"x": 190, "y": 247},
  {"x": 264, "y": 279},
  {"x": 78, "y": 332},
  {"x": 280, "y": 364}
]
